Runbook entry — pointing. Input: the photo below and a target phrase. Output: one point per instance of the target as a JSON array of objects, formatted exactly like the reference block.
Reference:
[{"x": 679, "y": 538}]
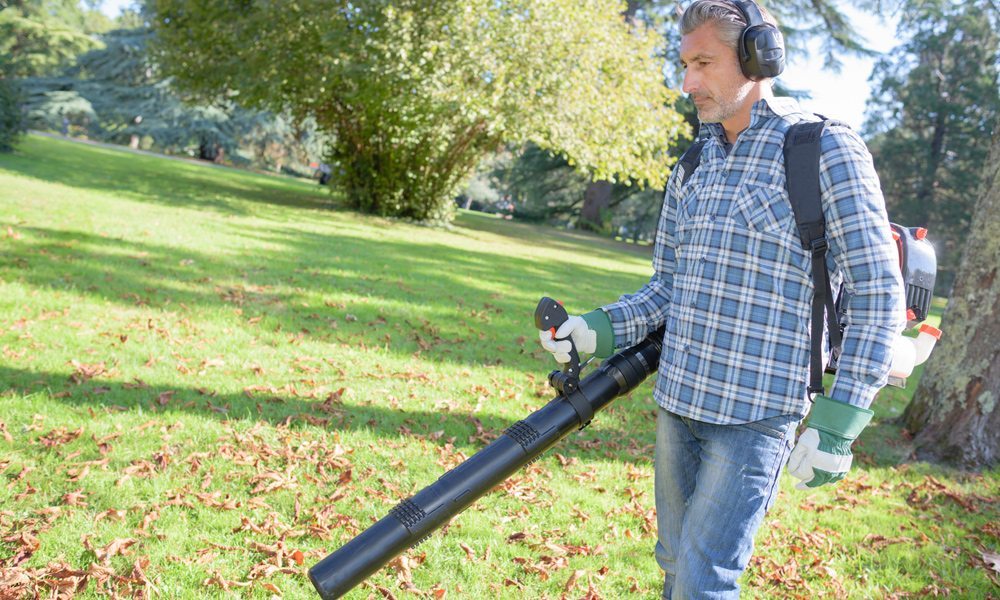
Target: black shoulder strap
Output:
[
  {"x": 691, "y": 158},
  {"x": 802, "y": 154}
]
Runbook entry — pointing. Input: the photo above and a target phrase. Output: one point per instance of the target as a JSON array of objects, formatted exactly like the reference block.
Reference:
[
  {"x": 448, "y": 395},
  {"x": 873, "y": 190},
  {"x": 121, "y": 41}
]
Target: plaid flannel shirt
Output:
[{"x": 733, "y": 284}]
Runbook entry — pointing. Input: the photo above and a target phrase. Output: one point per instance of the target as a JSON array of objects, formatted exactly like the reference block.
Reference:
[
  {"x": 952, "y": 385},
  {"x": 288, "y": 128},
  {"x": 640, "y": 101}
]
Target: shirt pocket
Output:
[
  {"x": 689, "y": 201},
  {"x": 764, "y": 209}
]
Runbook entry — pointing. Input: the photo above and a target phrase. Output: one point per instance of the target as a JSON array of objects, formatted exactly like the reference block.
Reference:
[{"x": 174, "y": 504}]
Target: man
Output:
[{"x": 732, "y": 286}]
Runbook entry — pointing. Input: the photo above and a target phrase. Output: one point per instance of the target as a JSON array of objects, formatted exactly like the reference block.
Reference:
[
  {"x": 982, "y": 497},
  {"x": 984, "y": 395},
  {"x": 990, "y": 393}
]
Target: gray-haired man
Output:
[{"x": 732, "y": 285}]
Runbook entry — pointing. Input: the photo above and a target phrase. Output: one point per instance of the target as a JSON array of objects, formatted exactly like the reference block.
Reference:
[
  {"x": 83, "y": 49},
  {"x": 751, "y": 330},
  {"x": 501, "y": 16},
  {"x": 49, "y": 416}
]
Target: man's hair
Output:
[{"x": 727, "y": 17}]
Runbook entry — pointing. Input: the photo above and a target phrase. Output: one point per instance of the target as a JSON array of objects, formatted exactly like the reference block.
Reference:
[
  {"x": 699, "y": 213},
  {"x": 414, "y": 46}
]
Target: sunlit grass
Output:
[{"x": 227, "y": 369}]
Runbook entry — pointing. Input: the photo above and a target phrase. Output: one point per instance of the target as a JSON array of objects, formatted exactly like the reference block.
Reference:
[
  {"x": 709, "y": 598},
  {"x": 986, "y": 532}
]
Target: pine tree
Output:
[{"x": 936, "y": 100}]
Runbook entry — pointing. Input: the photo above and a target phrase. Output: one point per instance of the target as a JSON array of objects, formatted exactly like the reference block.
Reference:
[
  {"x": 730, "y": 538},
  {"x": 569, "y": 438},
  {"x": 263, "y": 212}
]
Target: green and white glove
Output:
[
  {"x": 591, "y": 333},
  {"x": 823, "y": 451}
]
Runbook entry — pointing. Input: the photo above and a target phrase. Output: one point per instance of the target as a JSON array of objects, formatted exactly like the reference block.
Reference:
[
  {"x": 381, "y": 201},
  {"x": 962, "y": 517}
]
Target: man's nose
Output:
[{"x": 691, "y": 82}]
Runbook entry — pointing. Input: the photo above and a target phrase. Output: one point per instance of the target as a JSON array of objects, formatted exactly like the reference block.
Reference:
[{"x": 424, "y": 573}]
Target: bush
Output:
[{"x": 12, "y": 124}]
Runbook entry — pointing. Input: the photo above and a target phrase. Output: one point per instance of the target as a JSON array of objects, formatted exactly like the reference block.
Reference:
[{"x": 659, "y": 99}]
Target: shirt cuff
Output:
[
  {"x": 626, "y": 326},
  {"x": 854, "y": 392}
]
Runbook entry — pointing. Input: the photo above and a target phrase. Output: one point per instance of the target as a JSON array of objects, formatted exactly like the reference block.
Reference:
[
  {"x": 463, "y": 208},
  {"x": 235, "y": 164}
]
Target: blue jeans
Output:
[{"x": 713, "y": 485}]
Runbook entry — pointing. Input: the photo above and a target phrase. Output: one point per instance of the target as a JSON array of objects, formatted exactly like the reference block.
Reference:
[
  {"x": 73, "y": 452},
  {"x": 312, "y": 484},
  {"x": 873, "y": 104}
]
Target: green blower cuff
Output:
[
  {"x": 837, "y": 418},
  {"x": 600, "y": 323}
]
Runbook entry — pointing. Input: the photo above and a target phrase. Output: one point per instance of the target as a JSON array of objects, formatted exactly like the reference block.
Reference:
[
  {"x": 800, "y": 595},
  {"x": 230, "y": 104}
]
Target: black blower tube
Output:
[{"x": 414, "y": 519}]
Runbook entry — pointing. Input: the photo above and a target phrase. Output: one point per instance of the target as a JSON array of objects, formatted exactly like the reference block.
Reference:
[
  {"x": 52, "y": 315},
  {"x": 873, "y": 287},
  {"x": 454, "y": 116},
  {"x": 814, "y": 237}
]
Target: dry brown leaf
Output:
[
  {"x": 113, "y": 514},
  {"x": 226, "y": 584},
  {"x": 114, "y": 548},
  {"x": 85, "y": 372},
  {"x": 271, "y": 588},
  {"x": 468, "y": 551},
  {"x": 75, "y": 498},
  {"x": 385, "y": 592},
  {"x": 513, "y": 582},
  {"x": 59, "y": 436}
]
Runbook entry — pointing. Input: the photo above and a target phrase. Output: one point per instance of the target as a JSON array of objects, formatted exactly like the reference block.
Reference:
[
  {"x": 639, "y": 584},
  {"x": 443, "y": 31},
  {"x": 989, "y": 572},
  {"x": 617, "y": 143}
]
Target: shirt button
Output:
[{"x": 703, "y": 259}]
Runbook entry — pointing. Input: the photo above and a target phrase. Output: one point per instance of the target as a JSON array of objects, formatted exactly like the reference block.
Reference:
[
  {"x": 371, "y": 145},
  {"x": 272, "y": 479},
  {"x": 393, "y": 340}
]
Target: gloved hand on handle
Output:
[
  {"x": 823, "y": 451},
  {"x": 591, "y": 333}
]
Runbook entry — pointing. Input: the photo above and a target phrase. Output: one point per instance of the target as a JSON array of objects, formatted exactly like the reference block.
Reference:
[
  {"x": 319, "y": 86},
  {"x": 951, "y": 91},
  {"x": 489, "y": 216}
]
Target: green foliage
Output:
[
  {"x": 542, "y": 184},
  {"x": 935, "y": 101},
  {"x": 42, "y": 37},
  {"x": 205, "y": 372},
  {"x": 12, "y": 122},
  {"x": 417, "y": 93}
]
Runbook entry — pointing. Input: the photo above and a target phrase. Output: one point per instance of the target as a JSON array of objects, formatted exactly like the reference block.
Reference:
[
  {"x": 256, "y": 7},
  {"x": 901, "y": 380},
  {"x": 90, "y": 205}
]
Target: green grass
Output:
[{"x": 225, "y": 370}]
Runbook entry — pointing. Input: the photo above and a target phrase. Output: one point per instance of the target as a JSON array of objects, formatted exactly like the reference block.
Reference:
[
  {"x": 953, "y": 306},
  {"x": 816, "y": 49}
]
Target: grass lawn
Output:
[{"x": 210, "y": 379}]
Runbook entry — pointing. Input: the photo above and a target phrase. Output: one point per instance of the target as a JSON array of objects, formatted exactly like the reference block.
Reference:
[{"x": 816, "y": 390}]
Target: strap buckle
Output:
[{"x": 819, "y": 245}]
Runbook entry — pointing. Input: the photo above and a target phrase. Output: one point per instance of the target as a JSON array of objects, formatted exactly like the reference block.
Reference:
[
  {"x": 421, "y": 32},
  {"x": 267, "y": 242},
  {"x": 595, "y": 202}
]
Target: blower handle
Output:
[{"x": 549, "y": 315}]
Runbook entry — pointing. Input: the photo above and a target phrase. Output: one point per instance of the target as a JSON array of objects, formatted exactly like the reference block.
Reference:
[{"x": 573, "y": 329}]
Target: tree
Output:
[
  {"x": 12, "y": 123},
  {"x": 954, "y": 412},
  {"x": 43, "y": 37},
  {"x": 543, "y": 186},
  {"x": 597, "y": 196},
  {"x": 934, "y": 97},
  {"x": 417, "y": 92}
]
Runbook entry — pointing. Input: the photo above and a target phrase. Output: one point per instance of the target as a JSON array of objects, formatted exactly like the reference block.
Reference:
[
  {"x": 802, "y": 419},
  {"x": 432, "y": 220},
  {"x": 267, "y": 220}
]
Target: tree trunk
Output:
[
  {"x": 597, "y": 196},
  {"x": 596, "y": 199},
  {"x": 954, "y": 412}
]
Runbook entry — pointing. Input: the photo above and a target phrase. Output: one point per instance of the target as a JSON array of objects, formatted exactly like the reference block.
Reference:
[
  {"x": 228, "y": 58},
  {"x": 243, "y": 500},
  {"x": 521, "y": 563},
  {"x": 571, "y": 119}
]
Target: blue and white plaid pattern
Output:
[{"x": 734, "y": 286}]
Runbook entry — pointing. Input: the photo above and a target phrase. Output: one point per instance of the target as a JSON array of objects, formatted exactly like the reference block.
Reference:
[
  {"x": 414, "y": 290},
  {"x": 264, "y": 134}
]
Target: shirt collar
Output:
[{"x": 763, "y": 109}]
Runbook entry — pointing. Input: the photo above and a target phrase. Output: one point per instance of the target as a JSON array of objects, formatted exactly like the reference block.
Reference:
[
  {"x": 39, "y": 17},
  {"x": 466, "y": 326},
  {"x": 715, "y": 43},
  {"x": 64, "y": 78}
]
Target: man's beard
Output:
[{"x": 718, "y": 110}]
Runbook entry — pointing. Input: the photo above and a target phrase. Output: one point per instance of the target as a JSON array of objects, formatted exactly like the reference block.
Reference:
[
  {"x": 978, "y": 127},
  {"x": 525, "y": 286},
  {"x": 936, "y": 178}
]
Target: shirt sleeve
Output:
[
  {"x": 863, "y": 253},
  {"x": 636, "y": 315}
]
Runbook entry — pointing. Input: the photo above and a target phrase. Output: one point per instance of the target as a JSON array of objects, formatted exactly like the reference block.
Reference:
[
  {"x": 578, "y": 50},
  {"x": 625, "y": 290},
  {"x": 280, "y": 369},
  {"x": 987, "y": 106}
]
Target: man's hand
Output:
[
  {"x": 591, "y": 333},
  {"x": 575, "y": 328},
  {"x": 823, "y": 452}
]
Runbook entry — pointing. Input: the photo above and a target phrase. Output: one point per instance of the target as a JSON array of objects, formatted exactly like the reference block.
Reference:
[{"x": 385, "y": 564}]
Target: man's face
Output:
[{"x": 712, "y": 75}]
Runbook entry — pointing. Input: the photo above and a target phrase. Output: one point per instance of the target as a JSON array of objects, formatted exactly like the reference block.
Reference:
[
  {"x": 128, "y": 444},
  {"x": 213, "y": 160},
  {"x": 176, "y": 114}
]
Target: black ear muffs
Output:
[{"x": 762, "y": 49}]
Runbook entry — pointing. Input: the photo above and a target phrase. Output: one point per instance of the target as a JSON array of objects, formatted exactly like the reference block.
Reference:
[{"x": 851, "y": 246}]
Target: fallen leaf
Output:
[
  {"x": 468, "y": 551},
  {"x": 271, "y": 588},
  {"x": 75, "y": 498},
  {"x": 114, "y": 548},
  {"x": 112, "y": 514},
  {"x": 571, "y": 582}
]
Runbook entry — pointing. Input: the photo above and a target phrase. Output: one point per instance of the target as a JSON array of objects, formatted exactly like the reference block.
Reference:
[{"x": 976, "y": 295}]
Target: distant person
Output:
[
  {"x": 732, "y": 288},
  {"x": 507, "y": 207},
  {"x": 325, "y": 173},
  {"x": 134, "y": 139},
  {"x": 65, "y": 126}
]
